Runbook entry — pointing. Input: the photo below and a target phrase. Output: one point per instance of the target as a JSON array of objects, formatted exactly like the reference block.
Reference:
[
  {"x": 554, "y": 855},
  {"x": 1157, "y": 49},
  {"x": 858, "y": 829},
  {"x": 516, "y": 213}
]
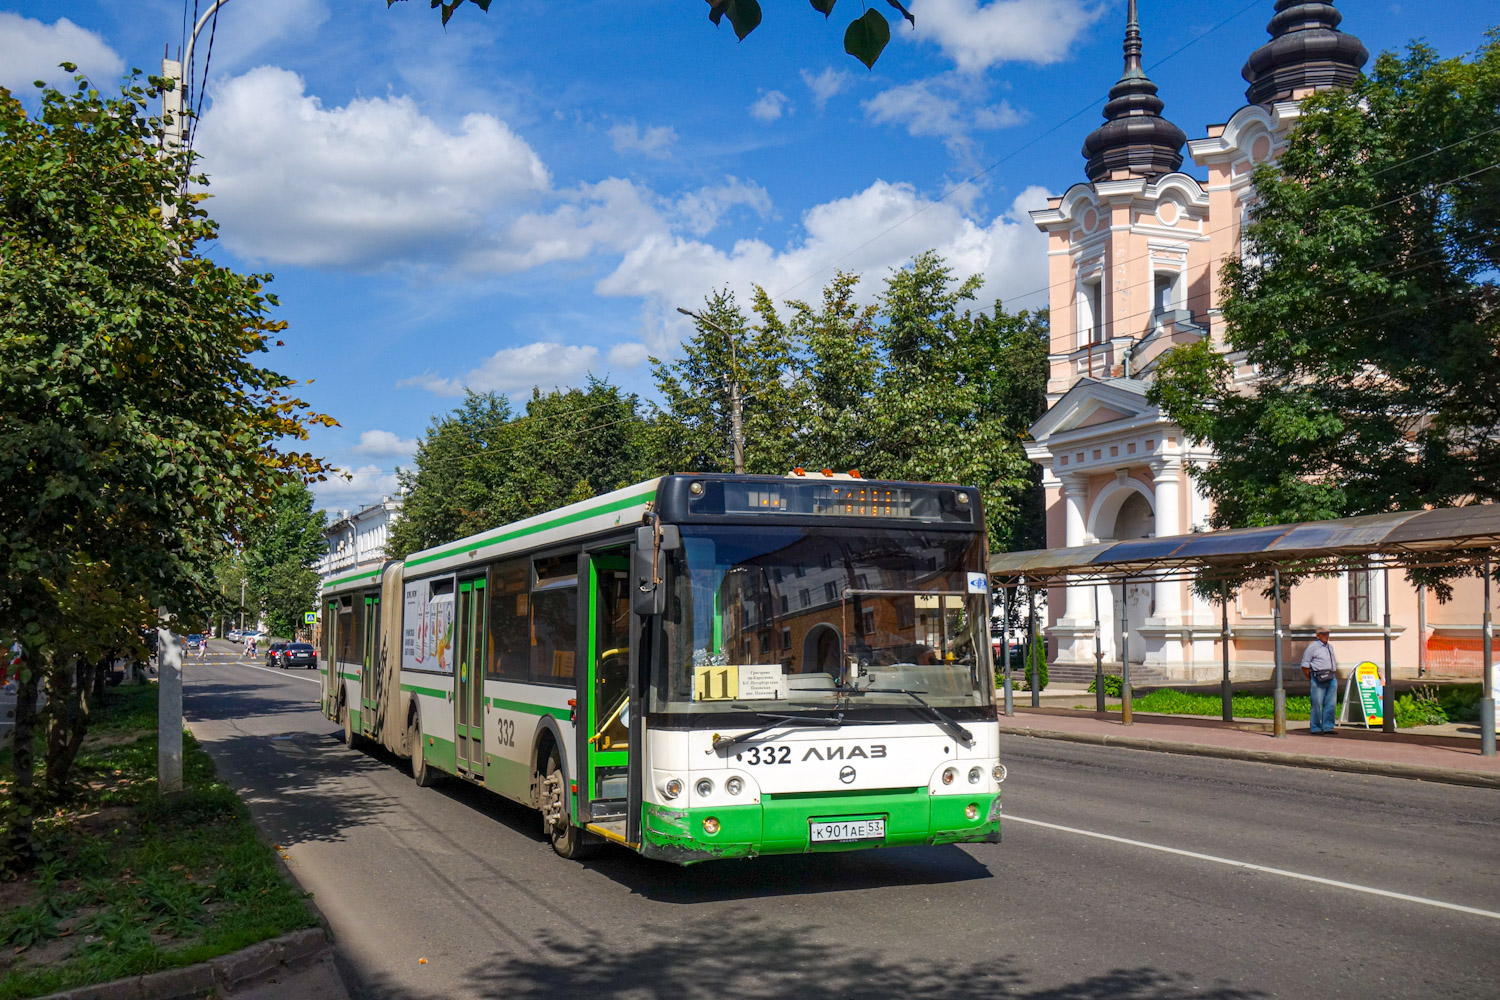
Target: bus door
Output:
[
  {"x": 328, "y": 679},
  {"x": 468, "y": 700},
  {"x": 606, "y": 691},
  {"x": 372, "y": 671}
]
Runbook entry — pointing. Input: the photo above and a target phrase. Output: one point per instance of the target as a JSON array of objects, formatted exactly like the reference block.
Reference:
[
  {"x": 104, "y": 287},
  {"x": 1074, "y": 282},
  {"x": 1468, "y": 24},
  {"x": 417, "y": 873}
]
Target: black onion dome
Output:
[
  {"x": 1306, "y": 52},
  {"x": 1134, "y": 136}
]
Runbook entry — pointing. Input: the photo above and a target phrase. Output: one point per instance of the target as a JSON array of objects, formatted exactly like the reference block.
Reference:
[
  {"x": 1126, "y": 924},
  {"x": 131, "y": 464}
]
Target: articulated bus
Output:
[{"x": 696, "y": 667}]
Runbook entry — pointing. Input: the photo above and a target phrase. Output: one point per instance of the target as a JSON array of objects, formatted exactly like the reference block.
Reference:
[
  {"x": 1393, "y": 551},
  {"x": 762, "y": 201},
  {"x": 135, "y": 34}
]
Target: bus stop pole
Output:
[
  {"x": 1487, "y": 703},
  {"x": 1388, "y": 696},
  {"x": 1010, "y": 705},
  {"x": 1226, "y": 693},
  {"x": 1278, "y": 696},
  {"x": 1125, "y": 693},
  {"x": 1099, "y": 705},
  {"x": 1031, "y": 650}
]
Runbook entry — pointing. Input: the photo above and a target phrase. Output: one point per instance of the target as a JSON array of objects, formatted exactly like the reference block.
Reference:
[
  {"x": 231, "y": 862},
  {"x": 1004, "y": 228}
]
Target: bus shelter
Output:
[{"x": 1463, "y": 538}]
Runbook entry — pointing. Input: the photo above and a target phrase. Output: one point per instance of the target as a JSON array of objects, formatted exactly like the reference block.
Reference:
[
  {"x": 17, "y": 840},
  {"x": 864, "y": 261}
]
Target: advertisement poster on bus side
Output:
[{"x": 427, "y": 639}]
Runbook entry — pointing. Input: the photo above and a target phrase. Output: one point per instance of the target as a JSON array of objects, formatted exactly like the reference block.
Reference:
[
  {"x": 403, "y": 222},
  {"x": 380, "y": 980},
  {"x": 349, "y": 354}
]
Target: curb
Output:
[
  {"x": 253, "y": 966},
  {"x": 1419, "y": 772}
]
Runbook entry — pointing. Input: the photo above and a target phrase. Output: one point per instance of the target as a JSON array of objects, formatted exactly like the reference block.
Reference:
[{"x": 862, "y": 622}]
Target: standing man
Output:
[{"x": 1322, "y": 673}]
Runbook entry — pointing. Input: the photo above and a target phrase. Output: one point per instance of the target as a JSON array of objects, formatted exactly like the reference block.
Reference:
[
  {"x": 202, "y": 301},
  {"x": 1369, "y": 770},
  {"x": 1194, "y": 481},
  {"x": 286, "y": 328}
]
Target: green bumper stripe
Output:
[
  {"x": 348, "y": 676},
  {"x": 351, "y": 578},
  {"x": 556, "y": 522},
  {"x": 429, "y": 692},
  {"x": 529, "y": 709}
]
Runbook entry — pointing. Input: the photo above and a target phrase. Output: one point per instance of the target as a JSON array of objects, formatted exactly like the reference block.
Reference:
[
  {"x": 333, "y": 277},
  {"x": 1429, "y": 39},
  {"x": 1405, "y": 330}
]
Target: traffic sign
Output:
[{"x": 309, "y": 617}]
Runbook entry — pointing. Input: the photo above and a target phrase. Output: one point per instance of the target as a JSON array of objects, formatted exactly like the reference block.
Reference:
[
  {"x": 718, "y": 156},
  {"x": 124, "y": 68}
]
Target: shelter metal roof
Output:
[{"x": 1412, "y": 536}]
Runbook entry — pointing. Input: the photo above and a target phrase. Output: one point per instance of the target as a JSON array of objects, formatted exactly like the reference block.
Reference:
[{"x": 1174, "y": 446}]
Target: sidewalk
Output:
[{"x": 1451, "y": 759}]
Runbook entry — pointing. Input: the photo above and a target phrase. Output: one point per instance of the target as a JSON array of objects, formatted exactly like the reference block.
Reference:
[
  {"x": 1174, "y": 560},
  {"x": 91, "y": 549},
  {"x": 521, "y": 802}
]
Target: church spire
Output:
[
  {"x": 1135, "y": 140},
  {"x": 1306, "y": 52}
]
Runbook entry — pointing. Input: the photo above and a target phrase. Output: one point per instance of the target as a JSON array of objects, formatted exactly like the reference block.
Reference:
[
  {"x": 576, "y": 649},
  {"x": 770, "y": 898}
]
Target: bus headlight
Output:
[
  {"x": 704, "y": 786},
  {"x": 999, "y": 773},
  {"x": 734, "y": 785},
  {"x": 672, "y": 788},
  {"x": 710, "y": 826},
  {"x": 974, "y": 775},
  {"x": 949, "y": 774},
  {"x": 972, "y": 811}
]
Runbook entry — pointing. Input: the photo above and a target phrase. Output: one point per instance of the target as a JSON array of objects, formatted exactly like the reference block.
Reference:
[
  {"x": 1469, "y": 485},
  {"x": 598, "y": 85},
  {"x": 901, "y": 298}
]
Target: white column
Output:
[
  {"x": 1166, "y": 475},
  {"x": 1077, "y": 606}
]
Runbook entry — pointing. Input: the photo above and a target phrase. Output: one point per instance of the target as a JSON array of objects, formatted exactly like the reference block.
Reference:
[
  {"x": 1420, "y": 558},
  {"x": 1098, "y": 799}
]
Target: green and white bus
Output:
[{"x": 696, "y": 667}]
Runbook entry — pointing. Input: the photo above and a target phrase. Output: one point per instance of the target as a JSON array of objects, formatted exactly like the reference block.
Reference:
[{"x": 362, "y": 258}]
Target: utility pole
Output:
[
  {"x": 736, "y": 421},
  {"x": 168, "y": 709},
  {"x": 171, "y": 100}
]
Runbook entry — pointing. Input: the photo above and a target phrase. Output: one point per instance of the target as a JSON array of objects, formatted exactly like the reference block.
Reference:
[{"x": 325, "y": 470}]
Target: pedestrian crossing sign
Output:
[{"x": 309, "y": 617}]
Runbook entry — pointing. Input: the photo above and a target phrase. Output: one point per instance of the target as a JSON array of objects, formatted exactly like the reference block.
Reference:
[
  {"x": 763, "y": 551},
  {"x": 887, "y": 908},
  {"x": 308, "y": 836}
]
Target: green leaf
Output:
[
  {"x": 899, "y": 6},
  {"x": 744, "y": 15},
  {"x": 824, "y": 7},
  {"x": 867, "y": 37}
]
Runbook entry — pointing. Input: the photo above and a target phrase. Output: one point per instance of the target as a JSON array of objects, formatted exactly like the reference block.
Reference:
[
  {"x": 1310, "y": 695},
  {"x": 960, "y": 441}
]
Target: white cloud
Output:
[
  {"x": 628, "y": 137},
  {"x": 384, "y": 444},
  {"x": 514, "y": 368},
  {"x": 770, "y": 106},
  {"x": 825, "y": 85},
  {"x": 30, "y": 50},
  {"x": 364, "y": 485},
  {"x": 867, "y": 233},
  {"x": 358, "y": 186},
  {"x": 947, "y": 107},
  {"x": 977, "y": 35},
  {"x": 628, "y": 355},
  {"x": 701, "y": 211}
]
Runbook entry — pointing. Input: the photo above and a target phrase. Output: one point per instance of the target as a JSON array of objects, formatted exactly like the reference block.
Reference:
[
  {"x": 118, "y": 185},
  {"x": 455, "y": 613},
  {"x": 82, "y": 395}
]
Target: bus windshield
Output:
[{"x": 777, "y": 618}]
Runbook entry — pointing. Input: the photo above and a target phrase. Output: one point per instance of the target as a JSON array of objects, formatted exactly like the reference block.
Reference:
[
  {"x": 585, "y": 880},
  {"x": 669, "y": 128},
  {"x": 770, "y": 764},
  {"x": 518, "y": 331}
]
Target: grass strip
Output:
[{"x": 129, "y": 881}]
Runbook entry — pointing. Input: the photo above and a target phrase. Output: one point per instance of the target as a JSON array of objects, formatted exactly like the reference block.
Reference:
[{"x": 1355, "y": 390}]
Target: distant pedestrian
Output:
[
  {"x": 203, "y": 647},
  {"x": 1322, "y": 672}
]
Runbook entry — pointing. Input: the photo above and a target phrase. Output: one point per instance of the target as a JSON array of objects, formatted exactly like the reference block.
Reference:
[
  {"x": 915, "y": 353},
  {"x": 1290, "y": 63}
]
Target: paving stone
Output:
[
  {"x": 120, "y": 989},
  {"x": 300, "y": 947},
  {"x": 179, "y": 984},
  {"x": 248, "y": 963}
]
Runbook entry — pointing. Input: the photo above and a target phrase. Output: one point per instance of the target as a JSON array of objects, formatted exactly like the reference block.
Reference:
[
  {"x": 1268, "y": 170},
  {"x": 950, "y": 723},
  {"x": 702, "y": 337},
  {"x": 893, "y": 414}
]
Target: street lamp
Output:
[
  {"x": 171, "y": 100},
  {"x": 735, "y": 422}
]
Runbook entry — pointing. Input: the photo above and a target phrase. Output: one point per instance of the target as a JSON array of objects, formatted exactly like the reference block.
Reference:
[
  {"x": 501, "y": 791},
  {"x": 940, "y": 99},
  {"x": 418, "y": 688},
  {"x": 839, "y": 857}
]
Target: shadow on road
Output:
[
  {"x": 742, "y": 957},
  {"x": 231, "y": 702},
  {"x": 298, "y": 785}
]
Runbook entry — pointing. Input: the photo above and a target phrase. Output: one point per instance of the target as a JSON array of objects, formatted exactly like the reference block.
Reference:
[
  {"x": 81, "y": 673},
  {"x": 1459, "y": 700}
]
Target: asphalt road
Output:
[{"x": 1166, "y": 909}]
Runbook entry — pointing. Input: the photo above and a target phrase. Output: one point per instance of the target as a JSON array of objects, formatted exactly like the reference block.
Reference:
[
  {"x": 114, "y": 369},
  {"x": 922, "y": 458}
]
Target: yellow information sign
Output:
[
  {"x": 717, "y": 683},
  {"x": 1367, "y": 683}
]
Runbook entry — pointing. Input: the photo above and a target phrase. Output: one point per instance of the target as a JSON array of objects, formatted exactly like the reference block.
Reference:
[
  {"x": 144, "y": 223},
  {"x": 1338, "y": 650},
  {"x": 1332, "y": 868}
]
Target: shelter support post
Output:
[
  {"x": 1226, "y": 692},
  {"x": 1099, "y": 704},
  {"x": 1388, "y": 695},
  {"x": 1010, "y": 706},
  {"x": 1487, "y": 703},
  {"x": 1421, "y": 630},
  {"x": 1278, "y": 696},
  {"x": 1032, "y": 653},
  {"x": 1125, "y": 694}
]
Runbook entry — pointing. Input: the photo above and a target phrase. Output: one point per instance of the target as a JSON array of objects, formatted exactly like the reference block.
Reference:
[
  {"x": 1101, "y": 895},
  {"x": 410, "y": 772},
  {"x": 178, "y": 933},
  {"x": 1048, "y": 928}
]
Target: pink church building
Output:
[{"x": 1134, "y": 254}]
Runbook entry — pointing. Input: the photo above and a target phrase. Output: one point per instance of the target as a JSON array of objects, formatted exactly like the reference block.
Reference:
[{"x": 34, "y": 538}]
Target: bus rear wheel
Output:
[
  {"x": 425, "y": 776},
  {"x": 569, "y": 841}
]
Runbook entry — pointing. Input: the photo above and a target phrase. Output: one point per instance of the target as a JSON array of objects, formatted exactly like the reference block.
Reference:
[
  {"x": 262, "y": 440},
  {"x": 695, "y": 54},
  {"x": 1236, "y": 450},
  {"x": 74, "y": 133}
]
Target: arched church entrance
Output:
[{"x": 1135, "y": 519}]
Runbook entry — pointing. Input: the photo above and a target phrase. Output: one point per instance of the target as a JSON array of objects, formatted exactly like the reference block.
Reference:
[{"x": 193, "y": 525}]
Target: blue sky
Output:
[{"x": 526, "y": 197}]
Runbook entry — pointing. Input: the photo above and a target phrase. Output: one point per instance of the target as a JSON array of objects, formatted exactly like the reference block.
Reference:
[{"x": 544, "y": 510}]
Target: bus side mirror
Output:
[{"x": 648, "y": 594}]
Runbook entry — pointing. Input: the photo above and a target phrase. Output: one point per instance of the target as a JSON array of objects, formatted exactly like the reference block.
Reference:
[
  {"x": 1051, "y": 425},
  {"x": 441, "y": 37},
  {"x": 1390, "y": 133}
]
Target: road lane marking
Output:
[
  {"x": 277, "y": 672},
  {"x": 1259, "y": 868}
]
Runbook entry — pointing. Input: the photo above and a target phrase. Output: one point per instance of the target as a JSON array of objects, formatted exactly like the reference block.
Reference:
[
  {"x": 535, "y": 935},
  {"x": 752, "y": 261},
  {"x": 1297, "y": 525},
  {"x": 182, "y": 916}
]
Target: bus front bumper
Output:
[{"x": 782, "y": 824}]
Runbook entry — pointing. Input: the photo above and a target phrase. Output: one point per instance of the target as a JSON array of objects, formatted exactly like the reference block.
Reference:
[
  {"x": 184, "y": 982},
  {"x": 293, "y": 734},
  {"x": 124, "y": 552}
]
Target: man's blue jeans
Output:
[{"x": 1325, "y": 696}]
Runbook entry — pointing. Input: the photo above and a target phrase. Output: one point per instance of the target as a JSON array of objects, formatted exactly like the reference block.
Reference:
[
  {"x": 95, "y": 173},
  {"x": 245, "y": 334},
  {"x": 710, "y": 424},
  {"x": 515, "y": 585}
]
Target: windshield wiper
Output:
[
  {"x": 791, "y": 721},
  {"x": 957, "y": 731}
]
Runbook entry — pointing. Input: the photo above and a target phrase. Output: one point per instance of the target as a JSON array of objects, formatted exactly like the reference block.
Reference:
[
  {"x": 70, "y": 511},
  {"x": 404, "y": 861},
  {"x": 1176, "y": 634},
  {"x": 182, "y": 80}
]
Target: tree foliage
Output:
[
  {"x": 483, "y": 465},
  {"x": 1366, "y": 302},
  {"x": 279, "y": 553},
  {"x": 138, "y": 436},
  {"x": 865, "y": 36},
  {"x": 914, "y": 386}
]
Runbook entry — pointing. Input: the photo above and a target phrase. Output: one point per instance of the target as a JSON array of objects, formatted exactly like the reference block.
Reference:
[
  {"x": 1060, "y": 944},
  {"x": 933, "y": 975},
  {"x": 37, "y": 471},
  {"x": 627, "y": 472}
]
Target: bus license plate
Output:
[{"x": 831, "y": 831}]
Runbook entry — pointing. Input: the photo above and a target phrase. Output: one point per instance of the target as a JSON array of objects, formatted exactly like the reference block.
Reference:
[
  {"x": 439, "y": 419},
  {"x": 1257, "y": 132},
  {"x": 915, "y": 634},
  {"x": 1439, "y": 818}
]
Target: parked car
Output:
[
  {"x": 234, "y": 633},
  {"x": 274, "y": 653},
  {"x": 299, "y": 654},
  {"x": 194, "y": 641}
]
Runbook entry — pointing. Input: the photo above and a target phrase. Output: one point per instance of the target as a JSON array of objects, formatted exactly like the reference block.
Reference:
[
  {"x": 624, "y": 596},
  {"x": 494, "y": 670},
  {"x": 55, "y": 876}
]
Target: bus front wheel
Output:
[
  {"x": 568, "y": 841},
  {"x": 425, "y": 776}
]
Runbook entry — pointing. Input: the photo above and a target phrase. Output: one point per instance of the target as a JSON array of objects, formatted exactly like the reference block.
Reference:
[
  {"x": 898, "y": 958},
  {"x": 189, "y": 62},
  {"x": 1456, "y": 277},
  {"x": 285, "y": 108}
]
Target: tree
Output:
[
  {"x": 911, "y": 387},
  {"x": 280, "y": 550},
  {"x": 482, "y": 466},
  {"x": 865, "y": 37},
  {"x": 1366, "y": 301},
  {"x": 138, "y": 438}
]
